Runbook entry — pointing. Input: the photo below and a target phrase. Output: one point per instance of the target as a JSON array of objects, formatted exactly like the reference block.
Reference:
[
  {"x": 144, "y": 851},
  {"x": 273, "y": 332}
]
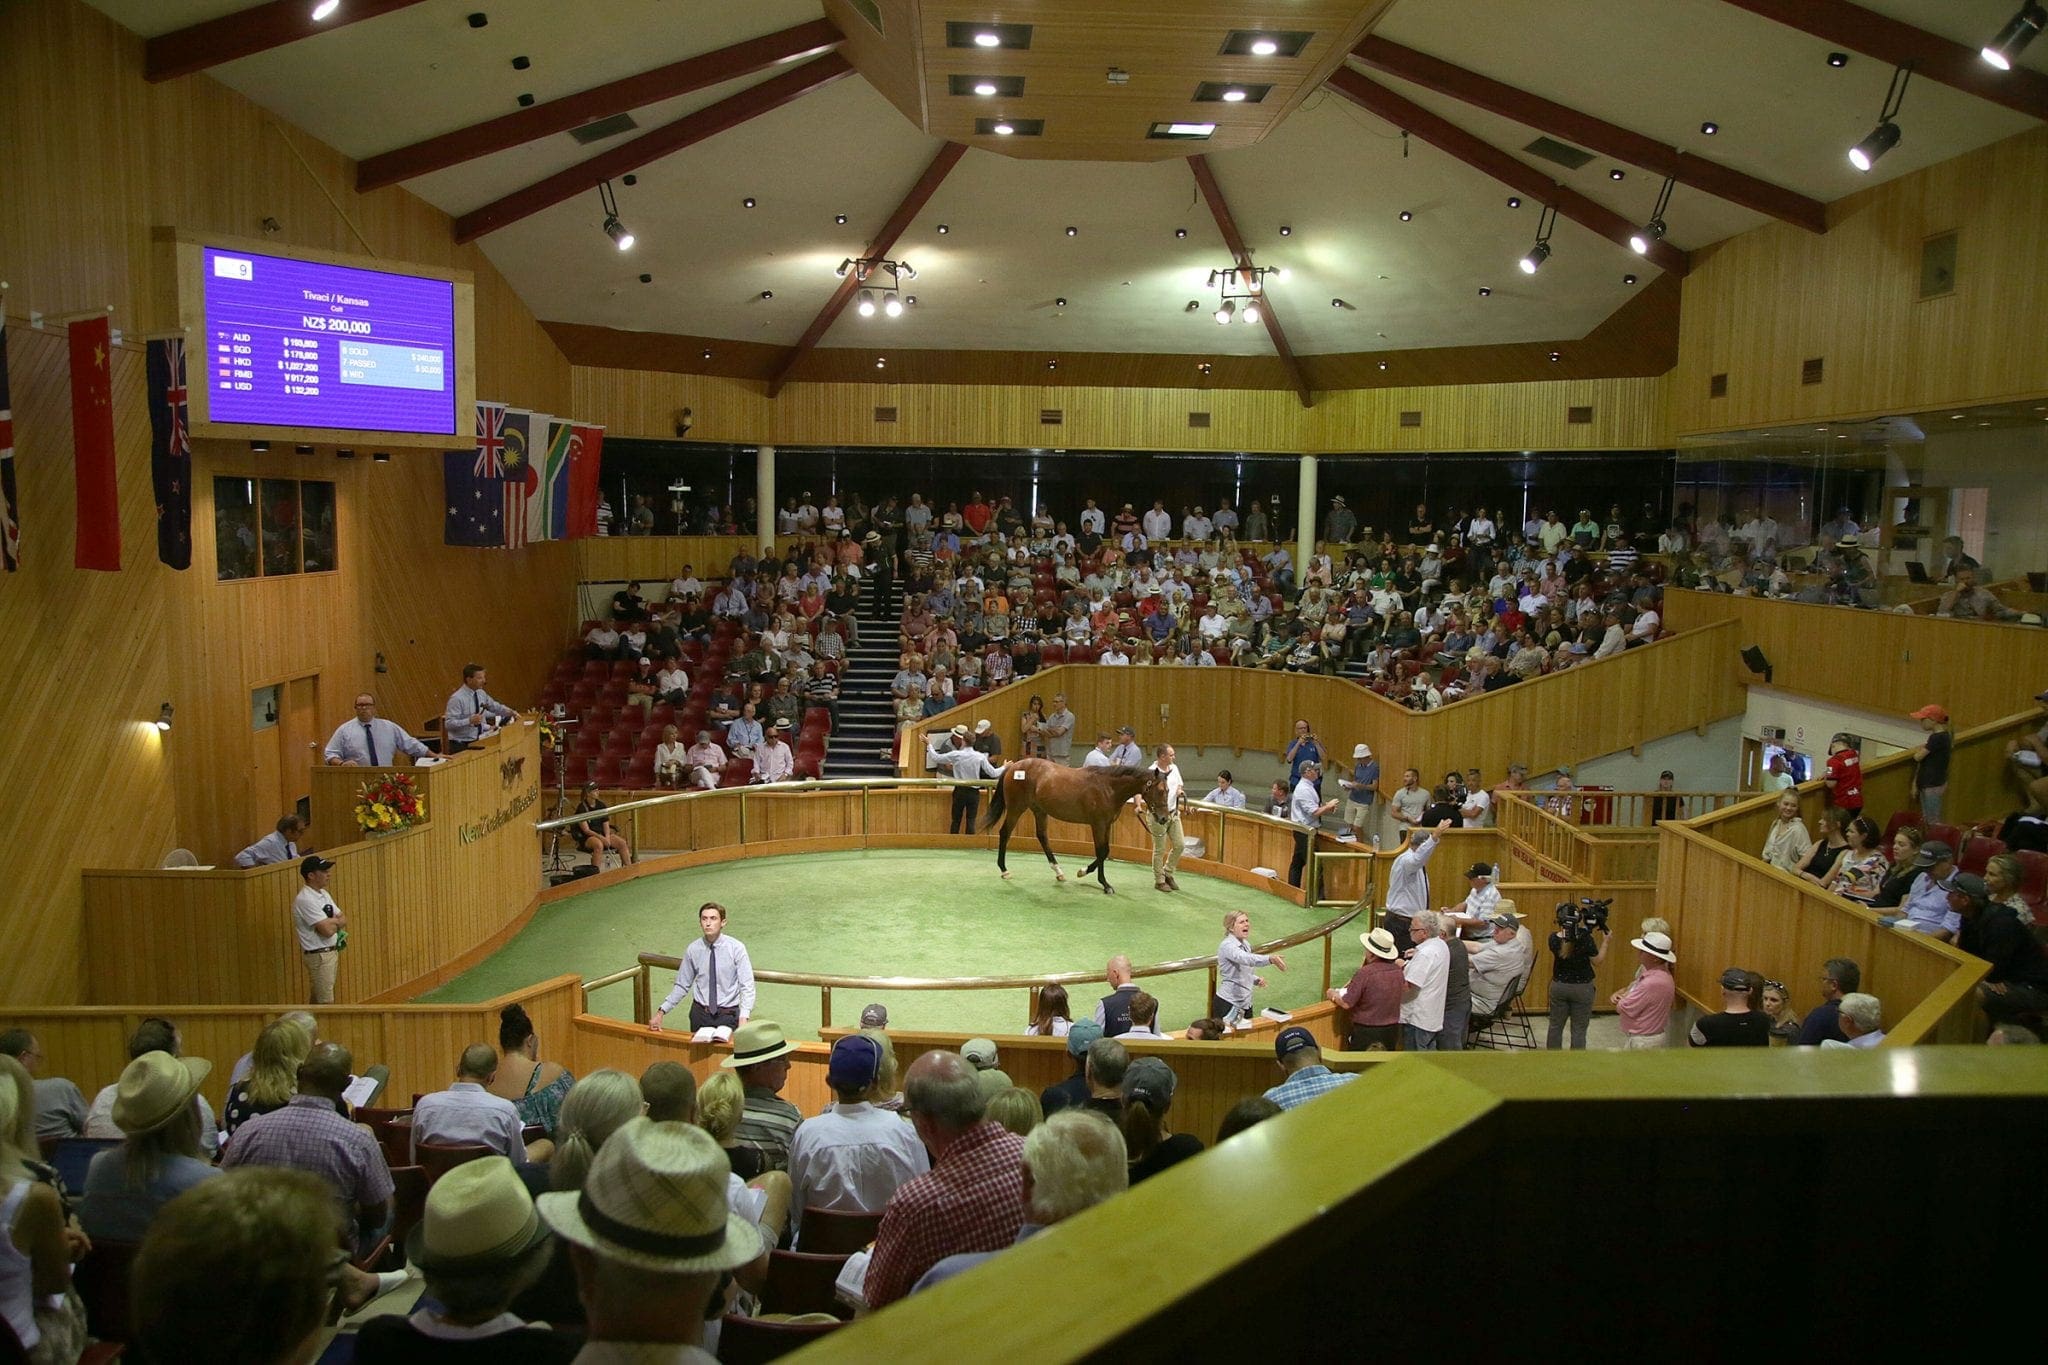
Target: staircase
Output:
[{"x": 867, "y": 713}]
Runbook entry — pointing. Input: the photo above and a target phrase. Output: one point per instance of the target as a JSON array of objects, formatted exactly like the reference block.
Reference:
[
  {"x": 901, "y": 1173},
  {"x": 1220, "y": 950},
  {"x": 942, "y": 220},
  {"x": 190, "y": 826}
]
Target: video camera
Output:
[{"x": 1580, "y": 919}]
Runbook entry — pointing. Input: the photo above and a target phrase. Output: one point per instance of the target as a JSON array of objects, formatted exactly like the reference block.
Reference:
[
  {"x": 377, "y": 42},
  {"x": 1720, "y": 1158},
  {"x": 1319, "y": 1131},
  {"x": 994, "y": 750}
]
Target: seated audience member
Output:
[
  {"x": 1246, "y": 1113},
  {"x": 2012, "y": 1035},
  {"x": 1500, "y": 960},
  {"x": 1307, "y": 1078},
  {"x": 1862, "y": 1021},
  {"x": 1072, "y": 1093},
  {"x": 852, "y": 1157},
  {"x": 479, "y": 1246},
  {"x": 1223, "y": 793},
  {"x": 594, "y": 833},
  {"x": 157, "y": 1112},
  {"x": 981, "y": 1055},
  {"x": 245, "y": 1063},
  {"x": 1926, "y": 909},
  {"x": 760, "y": 1058},
  {"x": 1144, "y": 1017},
  {"x": 1788, "y": 843},
  {"x": 467, "y": 1113},
  {"x": 1206, "y": 1031},
  {"x": 649, "y": 1237},
  {"x": 1104, "y": 1069},
  {"x": 601, "y": 641},
  {"x": 972, "y": 1199},
  {"x": 1017, "y": 1109},
  {"x": 273, "y": 1076},
  {"x": 1373, "y": 996},
  {"x": 1052, "y": 1020},
  {"x": 536, "y": 1088},
  {"x": 1838, "y": 977},
  {"x": 2017, "y": 983},
  {"x": 60, "y": 1107},
  {"x": 1737, "y": 1024},
  {"x": 156, "y": 1034},
  {"x": 1898, "y": 880},
  {"x": 1072, "y": 1162},
  {"x": 721, "y": 1104},
  {"x": 312, "y": 1133},
  {"x": 1777, "y": 1007},
  {"x": 38, "y": 1238},
  {"x": 1148, "y": 1094},
  {"x": 705, "y": 762},
  {"x": 281, "y": 845},
  {"x": 668, "y": 1093}
]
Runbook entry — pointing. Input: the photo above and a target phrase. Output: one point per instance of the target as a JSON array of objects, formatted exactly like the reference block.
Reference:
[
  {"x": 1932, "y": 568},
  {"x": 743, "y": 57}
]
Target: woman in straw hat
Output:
[{"x": 157, "y": 1110}]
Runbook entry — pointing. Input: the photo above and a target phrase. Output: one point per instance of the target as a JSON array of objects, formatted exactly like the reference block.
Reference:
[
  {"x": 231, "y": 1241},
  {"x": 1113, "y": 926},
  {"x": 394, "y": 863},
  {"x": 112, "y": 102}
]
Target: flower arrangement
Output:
[{"x": 389, "y": 803}]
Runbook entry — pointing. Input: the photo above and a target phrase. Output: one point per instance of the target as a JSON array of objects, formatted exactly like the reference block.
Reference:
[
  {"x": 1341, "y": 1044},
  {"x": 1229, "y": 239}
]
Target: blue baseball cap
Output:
[
  {"x": 856, "y": 1062},
  {"x": 1291, "y": 1041}
]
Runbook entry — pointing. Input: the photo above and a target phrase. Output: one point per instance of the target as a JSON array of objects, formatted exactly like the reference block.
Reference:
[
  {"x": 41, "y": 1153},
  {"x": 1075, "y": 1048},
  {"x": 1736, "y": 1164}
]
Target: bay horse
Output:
[{"x": 1081, "y": 796}]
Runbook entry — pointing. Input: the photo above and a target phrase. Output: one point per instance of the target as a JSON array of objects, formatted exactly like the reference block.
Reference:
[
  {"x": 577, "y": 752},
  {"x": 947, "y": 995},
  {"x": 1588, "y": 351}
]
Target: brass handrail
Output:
[{"x": 795, "y": 785}]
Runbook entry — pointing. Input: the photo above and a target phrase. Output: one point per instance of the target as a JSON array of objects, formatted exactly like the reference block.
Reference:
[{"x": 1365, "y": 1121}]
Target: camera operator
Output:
[{"x": 1577, "y": 948}]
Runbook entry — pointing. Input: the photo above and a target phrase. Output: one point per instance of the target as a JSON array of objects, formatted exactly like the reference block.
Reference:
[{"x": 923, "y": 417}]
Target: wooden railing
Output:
[{"x": 1571, "y": 852}]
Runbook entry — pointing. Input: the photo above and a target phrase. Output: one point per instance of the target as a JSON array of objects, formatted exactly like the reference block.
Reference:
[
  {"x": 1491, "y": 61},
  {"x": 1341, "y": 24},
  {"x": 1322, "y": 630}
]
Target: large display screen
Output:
[{"x": 294, "y": 343}]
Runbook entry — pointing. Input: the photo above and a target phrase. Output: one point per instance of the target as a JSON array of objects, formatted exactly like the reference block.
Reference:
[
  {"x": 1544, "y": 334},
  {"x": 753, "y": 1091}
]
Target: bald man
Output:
[{"x": 1113, "y": 1011}]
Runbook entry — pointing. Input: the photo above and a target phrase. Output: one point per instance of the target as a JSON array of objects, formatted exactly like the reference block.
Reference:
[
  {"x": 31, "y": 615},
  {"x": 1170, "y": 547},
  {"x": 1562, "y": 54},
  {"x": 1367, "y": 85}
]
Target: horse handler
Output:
[
  {"x": 1167, "y": 841},
  {"x": 955, "y": 753}
]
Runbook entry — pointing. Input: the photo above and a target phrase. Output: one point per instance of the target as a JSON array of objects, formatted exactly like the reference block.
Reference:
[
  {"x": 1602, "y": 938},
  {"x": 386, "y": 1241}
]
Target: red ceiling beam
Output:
[
  {"x": 1483, "y": 92},
  {"x": 1858, "y": 29},
  {"x": 670, "y": 138},
  {"x": 615, "y": 97},
  {"x": 1212, "y": 194},
  {"x": 181, "y": 52},
  {"x": 1447, "y": 137},
  {"x": 906, "y": 212}
]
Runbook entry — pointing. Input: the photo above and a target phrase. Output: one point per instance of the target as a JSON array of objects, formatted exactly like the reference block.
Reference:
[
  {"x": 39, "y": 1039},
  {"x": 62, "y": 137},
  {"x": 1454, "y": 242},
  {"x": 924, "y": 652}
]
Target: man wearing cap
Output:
[
  {"x": 480, "y": 1245},
  {"x": 972, "y": 1199},
  {"x": 1373, "y": 996},
  {"x": 1482, "y": 898},
  {"x": 1736, "y": 1025},
  {"x": 875, "y": 1016},
  {"x": 310, "y": 1134},
  {"x": 1126, "y": 754},
  {"x": 1072, "y": 1093},
  {"x": 158, "y": 1091},
  {"x": 1236, "y": 966},
  {"x": 1307, "y": 1078},
  {"x": 954, "y": 754},
  {"x": 1168, "y": 840},
  {"x": 466, "y": 1114},
  {"x": 1408, "y": 884},
  {"x": 1645, "y": 1005},
  {"x": 649, "y": 1235},
  {"x": 773, "y": 762},
  {"x": 1428, "y": 977},
  {"x": 471, "y": 711},
  {"x": 1501, "y": 959},
  {"x": 852, "y": 1157},
  {"x": 1926, "y": 908},
  {"x": 2017, "y": 983},
  {"x": 1930, "y": 771},
  {"x": 370, "y": 741},
  {"x": 715, "y": 973},
  {"x": 320, "y": 924},
  {"x": 760, "y": 1055},
  {"x": 1362, "y": 794}
]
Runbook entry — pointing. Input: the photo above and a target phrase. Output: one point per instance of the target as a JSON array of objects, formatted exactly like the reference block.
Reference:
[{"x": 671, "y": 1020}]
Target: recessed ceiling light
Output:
[
  {"x": 1383, "y": 364},
  {"x": 1002, "y": 130},
  {"x": 910, "y": 300},
  {"x": 1073, "y": 232},
  {"x": 1955, "y": 417},
  {"x": 1180, "y": 232},
  {"x": 647, "y": 279},
  {"x": 985, "y": 38},
  {"x": 1838, "y": 59},
  {"x": 1617, "y": 173},
  {"x": 1485, "y": 292},
  {"x": 839, "y": 218},
  {"x": 1286, "y": 230},
  {"x": 1052, "y": 364},
  {"x": 1204, "y": 367},
  {"x": 1059, "y": 303},
  {"x": 1233, "y": 96},
  {"x": 748, "y": 202},
  {"x": 1710, "y": 127},
  {"x": 707, "y": 355},
  {"x": 520, "y": 63},
  {"x": 1628, "y": 279},
  {"x": 1557, "y": 355},
  {"x": 1264, "y": 47},
  {"x": 1514, "y": 201},
  {"x": 767, "y": 293},
  {"x": 1406, "y": 215},
  {"x": 1192, "y": 131},
  {"x": 944, "y": 229},
  {"x": 985, "y": 88},
  {"x": 526, "y": 100}
]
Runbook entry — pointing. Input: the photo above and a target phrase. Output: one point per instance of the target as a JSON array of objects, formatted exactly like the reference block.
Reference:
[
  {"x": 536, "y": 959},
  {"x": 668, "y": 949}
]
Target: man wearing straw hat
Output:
[
  {"x": 480, "y": 1245},
  {"x": 1373, "y": 996},
  {"x": 649, "y": 1235},
  {"x": 954, "y": 753},
  {"x": 1645, "y": 1006}
]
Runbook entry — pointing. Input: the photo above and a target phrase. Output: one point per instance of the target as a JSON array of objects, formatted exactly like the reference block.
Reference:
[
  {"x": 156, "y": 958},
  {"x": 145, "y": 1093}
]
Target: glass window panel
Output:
[
  {"x": 234, "y": 528},
  {"x": 279, "y": 505},
  {"x": 316, "y": 537}
]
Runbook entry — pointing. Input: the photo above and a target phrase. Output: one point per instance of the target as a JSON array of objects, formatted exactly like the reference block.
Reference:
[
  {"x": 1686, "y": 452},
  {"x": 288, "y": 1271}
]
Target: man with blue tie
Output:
[
  {"x": 369, "y": 741},
  {"x": 717, "y": 976},
  {"x": 462, "y": 721}
]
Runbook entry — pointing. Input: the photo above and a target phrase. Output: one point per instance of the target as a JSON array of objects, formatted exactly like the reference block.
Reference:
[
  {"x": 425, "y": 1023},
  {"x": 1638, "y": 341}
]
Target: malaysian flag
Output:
[
  {"x": 10, "y": 524},
  {"x": 170, "y": 452},
  {"x": 518, "y": 428}
]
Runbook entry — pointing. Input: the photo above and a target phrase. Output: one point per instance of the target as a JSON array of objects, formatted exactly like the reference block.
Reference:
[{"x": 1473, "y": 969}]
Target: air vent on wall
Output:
[
  {"x": 1411, "y": 419},
  {"x": 885, "y": 414},
  {"x": 1938, "y": 266},
  {"x": 1198, "y": 419},
  {"x": 1051, "y": 417},
  {"x": 1717, "y": 385},
  {"x": 1563, "y": 153},
  {"x": 1810, "y": 371},
  {"x": 1578, "y": 417},
  {"x": 603, "y": 128}
]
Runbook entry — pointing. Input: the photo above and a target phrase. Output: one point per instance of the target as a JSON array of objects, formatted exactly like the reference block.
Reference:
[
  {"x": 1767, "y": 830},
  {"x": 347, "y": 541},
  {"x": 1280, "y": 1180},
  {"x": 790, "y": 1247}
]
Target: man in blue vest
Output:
[{"x": 1113, "y": 1011}]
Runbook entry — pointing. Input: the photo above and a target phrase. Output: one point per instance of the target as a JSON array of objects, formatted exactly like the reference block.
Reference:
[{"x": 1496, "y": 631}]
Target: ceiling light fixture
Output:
[
  {"x": 944, "y": 229},
  {"x": 1649, "y": 234},
  {"x": 984, "y": 88},
  {"x": 880, "y": 280},
  {"x": 1059, "y": 303},
  {"x": 767, "y": 294},
  {"x": 839, "y": 218},
  {"x": 985, "y": 38},
  {"x": 866, "y": 306},
  {"x": 1838, "y": 60},
  {"x": 382, "y": 457},
  {"x": 1628, "y": 279},
  {"x": 2010, "y": 42},
  {"x": 1226, "y": 312},
  {"x": 1710, "y": 128},
  {"x": 1073, "y": 232},
  {"x": 893, "y": 306},
  {"x": 1514, "y": 201},
  {"x": 1617, "y": 173},
  {"x": 1885, "y": 135},
  {"x": 1485, "y": 292},
  {"x": 1406, "y": 216},
  {"x": 1180, "y": 232},
  {"x": 1233, "y": 96},
  {"x": 1264, "y": 47},
  {"x": 613, "y": 228},
  {"x": 1002, "y": 130},
  {"x": 1383, "y": 364},
  {"x": 1546, "y": 221},
  {"x": 747, "y": 202},
  {"x": 1286, "y": 230},
  {"x": 163, "y": 717},
  {"x": 326, "y": 8}
]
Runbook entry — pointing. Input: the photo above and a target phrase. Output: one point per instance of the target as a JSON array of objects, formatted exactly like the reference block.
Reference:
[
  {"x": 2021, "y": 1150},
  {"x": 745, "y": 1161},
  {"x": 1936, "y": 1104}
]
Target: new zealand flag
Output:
[{"x": 170, "y": 452}]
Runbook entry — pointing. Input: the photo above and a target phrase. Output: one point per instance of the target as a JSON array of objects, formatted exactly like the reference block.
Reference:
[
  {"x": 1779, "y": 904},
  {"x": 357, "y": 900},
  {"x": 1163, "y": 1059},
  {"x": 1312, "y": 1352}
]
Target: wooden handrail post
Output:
[
  {"x": 1329, "y": 941},
  {"x": 1212, "y": 986},
  {"x": 643, "y": 995},
  {"x": 824, "y": 1007}
]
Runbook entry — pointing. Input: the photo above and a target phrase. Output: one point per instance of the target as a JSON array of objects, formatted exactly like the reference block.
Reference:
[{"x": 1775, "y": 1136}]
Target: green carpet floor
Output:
[{"x": 906, "y": 913}]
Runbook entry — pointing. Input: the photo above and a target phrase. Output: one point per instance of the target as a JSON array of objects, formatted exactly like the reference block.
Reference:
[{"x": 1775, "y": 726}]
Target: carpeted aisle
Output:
[{"x": 910, "y": 912}]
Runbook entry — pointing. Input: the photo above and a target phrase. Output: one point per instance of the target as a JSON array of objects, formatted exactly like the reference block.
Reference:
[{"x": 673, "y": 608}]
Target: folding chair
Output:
[{"x": 1506, "y": 1028}]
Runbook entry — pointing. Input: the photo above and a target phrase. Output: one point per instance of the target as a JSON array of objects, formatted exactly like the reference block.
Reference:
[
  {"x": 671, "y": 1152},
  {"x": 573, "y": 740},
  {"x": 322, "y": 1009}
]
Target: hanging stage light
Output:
[
  {"x": 1641, "y": 240},
  {"x": 2011, "y": 40},
  {"x": 1885, "y": 135}
]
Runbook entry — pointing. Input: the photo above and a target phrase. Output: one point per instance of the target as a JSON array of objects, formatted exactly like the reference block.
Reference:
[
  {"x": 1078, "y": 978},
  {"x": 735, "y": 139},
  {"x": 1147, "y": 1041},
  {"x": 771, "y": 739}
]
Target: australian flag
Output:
[
  {"x": 475, "y": 483},
  {"x": 170, "y": 452}
]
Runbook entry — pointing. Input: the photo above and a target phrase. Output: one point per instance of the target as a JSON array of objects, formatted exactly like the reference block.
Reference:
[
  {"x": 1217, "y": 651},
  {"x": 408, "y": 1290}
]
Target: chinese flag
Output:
[{"x": 92, "y": 440}]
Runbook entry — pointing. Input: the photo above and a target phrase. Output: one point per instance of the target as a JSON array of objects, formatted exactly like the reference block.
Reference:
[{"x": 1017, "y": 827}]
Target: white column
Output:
[
  {"x": 1305, "y": 511},
  {"x": 764, "y": 499}
]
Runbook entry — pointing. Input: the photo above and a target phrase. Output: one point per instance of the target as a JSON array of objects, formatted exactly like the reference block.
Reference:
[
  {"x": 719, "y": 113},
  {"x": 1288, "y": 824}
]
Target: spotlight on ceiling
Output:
[
  {"x": 613, "y": 228},
  {"x": 1059, "y": 303},
  {"x": 1643, "y": 238},
  {"x": 1546, "y": 221},
  {"x": 985, "y": 38},
  {"x": 944, "y": 229},
  {"x": 1225, "y": 313},
  {"x": 1233, "y": 96},
  {"x": 1251, "y": 310},
  {"x": 163, "y": 717},
  {"x": 1885, "y": 135},
  {"x": 1838, "y": 60},
  {"x": 747, "y": 202},
  {"x": 866, "y": 306},
  {"x": 2010, "y": 42},
  {"x": 1628, "y": 279},
  {"x": 1617, "y": 173},
  {"x": 1286, "y": 230},
  {"x": 1383, "y": 364},
  {"x": 1485, "y": 292},
  {"x": 1514, "y": 201},
  {"x": 1002, "y": 130},
  {"x": 325, "y": 10},
  {"x": 1073, "y": 232},
  {"x": 984, "y": 87},
  {"x": 839, "y": 218},
  {"x": 1264, "y": 47},
  {"x": 616, "y": 230},
  {"x": 893, "y": 306},
  {"x": 1406, "y": 216},
  {"x": 1180, "y": 232},
  {"x": 767, "y": 294},
  {"x": 1710, "y": 128}
]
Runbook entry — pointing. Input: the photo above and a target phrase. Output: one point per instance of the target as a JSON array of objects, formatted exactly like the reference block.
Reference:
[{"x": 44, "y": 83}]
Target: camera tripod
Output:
[{"x": 556, "y": 860}]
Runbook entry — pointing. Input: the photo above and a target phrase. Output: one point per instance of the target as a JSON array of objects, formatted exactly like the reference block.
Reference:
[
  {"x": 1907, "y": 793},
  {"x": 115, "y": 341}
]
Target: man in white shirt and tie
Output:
[
  {"x": 468, "y": 1115},
  {"x": 463, "y": 721},
  {"x": 1305, "y": 808},
  {"x": 1167, "y": 840},
  {"x": 370, "y": 741},
  {"x": 717, "y": 976},
  {"x": 853, "y": 1156},
  {"x": 280, "y": 846}
]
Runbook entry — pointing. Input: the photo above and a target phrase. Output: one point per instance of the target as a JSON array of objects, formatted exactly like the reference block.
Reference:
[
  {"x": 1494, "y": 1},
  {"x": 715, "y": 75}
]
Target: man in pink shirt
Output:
[{"x": 1645, "y": 1006}]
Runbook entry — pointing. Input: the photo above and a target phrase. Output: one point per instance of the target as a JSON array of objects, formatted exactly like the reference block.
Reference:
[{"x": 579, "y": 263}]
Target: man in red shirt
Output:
[
  {"x": 1373, "y": 995},
  {"x": 977, "y": 514},
  {"x": 1644, "y": 1005},
  {"x": 1844, "y": 776},
  {"x": 972, "y": 1199}
]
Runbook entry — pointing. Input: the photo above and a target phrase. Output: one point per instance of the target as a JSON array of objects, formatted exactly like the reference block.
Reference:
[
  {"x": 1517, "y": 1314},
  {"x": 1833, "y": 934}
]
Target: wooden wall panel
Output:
[
  {"x": 1628, "y": 414},
  {"x": 1759, "y": 305},
  {"x": 1883, "y": 661}
]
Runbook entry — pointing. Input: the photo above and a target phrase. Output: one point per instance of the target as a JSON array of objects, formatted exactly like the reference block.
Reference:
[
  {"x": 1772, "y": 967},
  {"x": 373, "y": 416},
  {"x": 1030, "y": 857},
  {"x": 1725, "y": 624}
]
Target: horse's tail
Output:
[{"x": 996, "y": 803}]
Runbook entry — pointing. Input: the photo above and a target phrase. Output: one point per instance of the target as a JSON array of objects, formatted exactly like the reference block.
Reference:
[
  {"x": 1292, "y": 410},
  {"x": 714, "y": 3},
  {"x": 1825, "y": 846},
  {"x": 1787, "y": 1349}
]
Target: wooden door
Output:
[{"x": 297, "y": 722}]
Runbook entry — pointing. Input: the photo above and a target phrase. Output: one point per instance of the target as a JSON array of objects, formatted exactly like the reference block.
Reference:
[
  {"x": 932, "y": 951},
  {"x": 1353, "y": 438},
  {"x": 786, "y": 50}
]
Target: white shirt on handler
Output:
[{"x": 309, "y": 907}]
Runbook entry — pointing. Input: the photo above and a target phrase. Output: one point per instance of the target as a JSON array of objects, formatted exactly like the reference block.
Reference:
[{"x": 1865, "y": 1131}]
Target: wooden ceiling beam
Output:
[
  {"x": 1860, "y": 30},
  {"x": 1483, "y": 92},
  {"x": 1481, "y": 155},
  {"x": 184, "y": 51},
  {"x": 1219, "y": 208},
  {"x": 906, "y": 212},
  {"x": 666, "y": 140},
  {"x": 602, "y": 101}
]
